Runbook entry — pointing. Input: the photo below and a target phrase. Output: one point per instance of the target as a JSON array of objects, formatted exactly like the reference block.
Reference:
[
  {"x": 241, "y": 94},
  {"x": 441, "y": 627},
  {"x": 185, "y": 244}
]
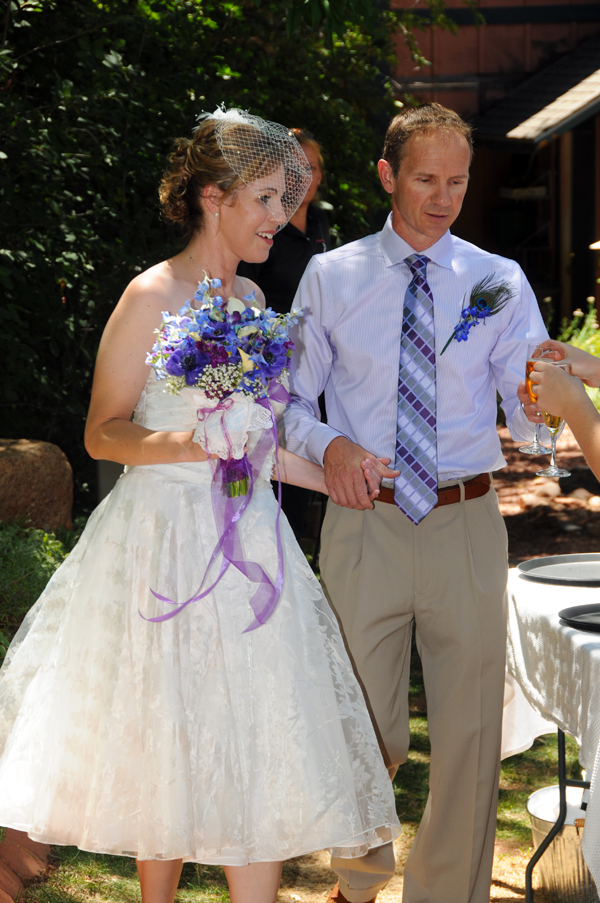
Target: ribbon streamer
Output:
[{"x": 228, "y": 513}]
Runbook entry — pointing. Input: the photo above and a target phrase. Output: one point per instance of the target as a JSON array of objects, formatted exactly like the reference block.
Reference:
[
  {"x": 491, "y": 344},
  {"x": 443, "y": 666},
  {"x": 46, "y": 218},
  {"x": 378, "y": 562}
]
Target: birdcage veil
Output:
[{"x": 264, "y": 155}]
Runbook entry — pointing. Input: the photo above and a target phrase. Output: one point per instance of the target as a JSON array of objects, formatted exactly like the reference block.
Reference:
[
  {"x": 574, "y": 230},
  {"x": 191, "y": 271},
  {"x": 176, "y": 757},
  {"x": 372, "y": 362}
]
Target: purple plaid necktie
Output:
[{"x": 415, "y": 491}]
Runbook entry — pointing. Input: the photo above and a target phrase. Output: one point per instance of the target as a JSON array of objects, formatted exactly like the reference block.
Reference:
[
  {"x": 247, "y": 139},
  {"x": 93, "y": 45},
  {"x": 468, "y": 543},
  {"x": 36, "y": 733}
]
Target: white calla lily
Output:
[
  {"x": 247, "y": 330},
  {"x": 247, "y": 362},
  {"x": 234, "y": 305}
]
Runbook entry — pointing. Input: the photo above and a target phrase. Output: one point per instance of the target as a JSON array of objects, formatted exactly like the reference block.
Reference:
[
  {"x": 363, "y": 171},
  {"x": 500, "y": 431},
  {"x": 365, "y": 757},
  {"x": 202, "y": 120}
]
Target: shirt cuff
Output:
[
  {"x": 320, "y": 437},
  {"x": 520, "y": 427}
]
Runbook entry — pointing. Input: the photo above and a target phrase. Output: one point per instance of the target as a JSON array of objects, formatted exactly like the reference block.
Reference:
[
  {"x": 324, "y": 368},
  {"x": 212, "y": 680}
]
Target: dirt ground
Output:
[
  {"x": 548, "y": 516},
  {"x": 543, "y": 517},
  {"x": 309, "y": 879}
]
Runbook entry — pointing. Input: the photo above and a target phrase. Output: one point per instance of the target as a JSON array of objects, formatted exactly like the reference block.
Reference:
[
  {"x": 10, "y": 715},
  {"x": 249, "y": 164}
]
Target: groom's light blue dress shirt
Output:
[{"x": 348, "y": 346}]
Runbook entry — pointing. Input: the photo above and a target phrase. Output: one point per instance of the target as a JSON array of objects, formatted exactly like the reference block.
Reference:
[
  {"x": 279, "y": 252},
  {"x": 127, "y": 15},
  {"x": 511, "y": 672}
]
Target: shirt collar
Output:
[{"x": 395, "y": 249}]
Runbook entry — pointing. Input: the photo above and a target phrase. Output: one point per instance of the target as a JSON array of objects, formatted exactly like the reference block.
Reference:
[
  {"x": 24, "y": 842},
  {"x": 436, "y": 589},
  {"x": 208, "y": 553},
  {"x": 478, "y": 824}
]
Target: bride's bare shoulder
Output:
[
  {"x": 156, "y": 283},
  {"x": 155, "y": 290}
]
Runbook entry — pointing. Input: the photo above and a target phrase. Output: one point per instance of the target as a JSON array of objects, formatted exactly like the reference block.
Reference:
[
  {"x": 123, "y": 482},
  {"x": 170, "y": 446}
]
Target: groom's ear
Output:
[{"x": 386, "y": 175}]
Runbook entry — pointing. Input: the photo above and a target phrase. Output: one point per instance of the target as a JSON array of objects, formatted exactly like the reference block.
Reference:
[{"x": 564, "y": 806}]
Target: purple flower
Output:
[
  {"x": 218, "y": 331},
  {"x": 218, "y": 354},
  {"x": 187, "y": 361},
  {"x": 274, "y": 359}
]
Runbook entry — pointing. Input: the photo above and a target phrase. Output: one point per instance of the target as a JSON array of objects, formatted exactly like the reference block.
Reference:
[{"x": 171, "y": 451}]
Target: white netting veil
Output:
[{"x": 267, "y": 157}]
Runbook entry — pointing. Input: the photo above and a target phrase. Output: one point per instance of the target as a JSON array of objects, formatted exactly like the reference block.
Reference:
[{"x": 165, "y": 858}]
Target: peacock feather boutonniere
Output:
[{"x": 488, "y": 297}]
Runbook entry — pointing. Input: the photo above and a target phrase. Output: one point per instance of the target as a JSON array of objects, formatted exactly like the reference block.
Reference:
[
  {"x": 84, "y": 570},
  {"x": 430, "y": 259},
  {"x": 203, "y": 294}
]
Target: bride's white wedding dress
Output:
[{"x": 187, "y": 738}]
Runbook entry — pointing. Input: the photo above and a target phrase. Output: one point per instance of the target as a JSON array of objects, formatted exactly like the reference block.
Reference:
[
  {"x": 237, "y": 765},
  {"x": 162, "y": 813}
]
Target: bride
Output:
[{"x": 189, "y": 738}]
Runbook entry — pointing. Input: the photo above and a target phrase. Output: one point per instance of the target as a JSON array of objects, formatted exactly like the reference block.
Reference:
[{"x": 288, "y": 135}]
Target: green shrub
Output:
[
  {"x": 28, "y": 558},
  {"x": 584, "y": 332}
]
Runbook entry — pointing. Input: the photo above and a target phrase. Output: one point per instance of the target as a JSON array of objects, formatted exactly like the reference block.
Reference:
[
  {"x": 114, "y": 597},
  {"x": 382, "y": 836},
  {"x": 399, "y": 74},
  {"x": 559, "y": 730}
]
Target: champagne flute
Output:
[
  {"x": 534, "y": 448},
  {"x": 554, "y": 424}
]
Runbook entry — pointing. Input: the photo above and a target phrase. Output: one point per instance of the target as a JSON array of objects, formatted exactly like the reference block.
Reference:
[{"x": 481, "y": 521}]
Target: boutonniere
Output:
[{"x": 487, "y": 298}]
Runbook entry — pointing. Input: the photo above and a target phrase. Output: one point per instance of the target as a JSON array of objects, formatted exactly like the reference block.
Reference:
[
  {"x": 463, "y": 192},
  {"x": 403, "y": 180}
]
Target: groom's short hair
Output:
[{"x": 427, "y": 117}]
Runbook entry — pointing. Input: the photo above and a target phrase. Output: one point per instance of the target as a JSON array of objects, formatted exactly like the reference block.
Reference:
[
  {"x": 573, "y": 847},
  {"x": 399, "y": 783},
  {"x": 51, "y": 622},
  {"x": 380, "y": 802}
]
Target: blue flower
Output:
[
  {"x": 187, "y": 361},
  {"x": 218, "y": 330},
  {"x": 461, "y": 333},
  {"x": 201, "y": 291},
  {"x": 272, "y": 360}
]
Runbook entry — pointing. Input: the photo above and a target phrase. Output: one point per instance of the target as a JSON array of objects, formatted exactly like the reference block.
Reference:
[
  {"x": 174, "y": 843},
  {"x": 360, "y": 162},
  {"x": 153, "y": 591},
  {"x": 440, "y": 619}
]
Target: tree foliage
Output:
[{"x": 92, "y": 92}]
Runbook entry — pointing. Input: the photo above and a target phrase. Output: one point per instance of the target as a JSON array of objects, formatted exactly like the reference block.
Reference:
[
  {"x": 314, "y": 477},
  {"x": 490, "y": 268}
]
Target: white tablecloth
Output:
[{"x": 554, "y": 679}]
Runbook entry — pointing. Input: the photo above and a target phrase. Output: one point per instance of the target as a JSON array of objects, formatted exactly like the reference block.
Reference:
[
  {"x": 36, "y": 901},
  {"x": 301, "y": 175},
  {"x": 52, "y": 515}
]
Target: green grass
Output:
[
  {"x": 521, "y": 775},
  {"x": 82, "y": 877},
  {"x": 584, "y": 332},
  {"x": 28, "y": 558}
]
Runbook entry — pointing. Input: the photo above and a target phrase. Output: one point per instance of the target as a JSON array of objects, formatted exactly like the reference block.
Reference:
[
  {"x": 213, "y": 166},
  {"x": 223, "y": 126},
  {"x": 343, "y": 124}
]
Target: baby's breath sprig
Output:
[
  {"x": 175, "y": 384},
  {"x": 220, "y": 381}
]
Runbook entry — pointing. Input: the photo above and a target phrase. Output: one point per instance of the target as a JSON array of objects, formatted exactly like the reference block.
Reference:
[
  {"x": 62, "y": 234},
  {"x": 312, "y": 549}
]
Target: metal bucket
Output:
[{"x": 562, "y": 871}]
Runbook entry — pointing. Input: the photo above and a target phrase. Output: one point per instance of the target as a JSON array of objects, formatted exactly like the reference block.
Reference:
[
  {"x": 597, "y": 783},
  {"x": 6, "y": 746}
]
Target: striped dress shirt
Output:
[{"x": 348, "y": 346}]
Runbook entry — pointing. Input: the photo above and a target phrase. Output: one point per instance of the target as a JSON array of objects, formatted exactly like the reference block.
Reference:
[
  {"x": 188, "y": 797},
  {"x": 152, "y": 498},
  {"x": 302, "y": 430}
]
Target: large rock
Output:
[{"x": 36, "y": 483}]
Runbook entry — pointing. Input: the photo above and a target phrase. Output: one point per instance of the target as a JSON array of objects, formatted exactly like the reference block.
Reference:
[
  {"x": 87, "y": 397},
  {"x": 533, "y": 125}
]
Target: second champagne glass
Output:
[{"x": 554, "y": 424}]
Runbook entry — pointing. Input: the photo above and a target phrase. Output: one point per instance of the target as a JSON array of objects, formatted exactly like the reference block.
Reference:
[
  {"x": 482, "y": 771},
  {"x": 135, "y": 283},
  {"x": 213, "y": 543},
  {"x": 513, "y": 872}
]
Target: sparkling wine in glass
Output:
[{"x": 554, "y": 424}]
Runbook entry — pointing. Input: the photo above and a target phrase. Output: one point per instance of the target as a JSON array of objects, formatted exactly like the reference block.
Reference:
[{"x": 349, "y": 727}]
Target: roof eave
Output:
[{"x": 534, "y": 142}]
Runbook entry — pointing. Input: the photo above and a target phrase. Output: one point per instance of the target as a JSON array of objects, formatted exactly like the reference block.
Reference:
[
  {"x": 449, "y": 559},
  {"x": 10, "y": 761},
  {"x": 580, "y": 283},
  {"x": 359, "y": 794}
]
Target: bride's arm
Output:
[
  {"x": 119, "y": 378},
  {"x": 300, "y": 472}
]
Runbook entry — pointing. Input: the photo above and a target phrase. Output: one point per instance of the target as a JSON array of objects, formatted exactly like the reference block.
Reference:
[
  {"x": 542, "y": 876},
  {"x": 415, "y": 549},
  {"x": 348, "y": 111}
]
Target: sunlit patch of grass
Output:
[
  {"x": 523, "y": 774},
  {"x": 84, "y": 877}
]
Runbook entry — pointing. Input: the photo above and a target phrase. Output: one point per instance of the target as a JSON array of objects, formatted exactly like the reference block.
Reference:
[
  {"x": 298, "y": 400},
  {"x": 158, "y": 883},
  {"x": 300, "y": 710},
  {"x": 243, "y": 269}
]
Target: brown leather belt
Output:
[{"x": 474, "y": 489}]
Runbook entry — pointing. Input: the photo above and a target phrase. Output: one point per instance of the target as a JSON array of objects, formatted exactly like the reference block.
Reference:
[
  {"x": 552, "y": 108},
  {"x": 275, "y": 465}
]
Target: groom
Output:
[{"x": 410, "y": 333}]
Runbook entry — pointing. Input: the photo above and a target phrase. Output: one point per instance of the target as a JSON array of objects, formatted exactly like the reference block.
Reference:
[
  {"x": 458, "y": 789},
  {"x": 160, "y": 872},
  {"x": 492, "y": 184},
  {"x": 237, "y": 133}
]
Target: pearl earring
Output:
[{"x": 217, "y": 213}]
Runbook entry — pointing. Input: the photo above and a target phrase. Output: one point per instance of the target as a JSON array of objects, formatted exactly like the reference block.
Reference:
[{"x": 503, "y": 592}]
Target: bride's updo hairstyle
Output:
[
  {"x": 194, "y": 164},
  {"x": 230, "y": 149}
]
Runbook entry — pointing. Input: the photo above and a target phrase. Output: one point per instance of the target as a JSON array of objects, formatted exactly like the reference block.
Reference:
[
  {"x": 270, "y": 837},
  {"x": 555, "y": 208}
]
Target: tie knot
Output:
[{"x": 417, "y": 264}]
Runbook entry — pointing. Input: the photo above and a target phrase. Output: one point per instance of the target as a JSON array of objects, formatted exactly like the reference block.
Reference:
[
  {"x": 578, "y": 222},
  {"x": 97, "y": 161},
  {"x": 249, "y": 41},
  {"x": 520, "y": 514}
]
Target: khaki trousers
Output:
[{"x": 448, "y": 577}]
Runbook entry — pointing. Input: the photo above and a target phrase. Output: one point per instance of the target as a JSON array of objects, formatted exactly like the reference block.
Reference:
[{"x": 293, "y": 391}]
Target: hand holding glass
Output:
[
  {"x": 554, "y": 424},
  {"x": 534, "y": 448}
]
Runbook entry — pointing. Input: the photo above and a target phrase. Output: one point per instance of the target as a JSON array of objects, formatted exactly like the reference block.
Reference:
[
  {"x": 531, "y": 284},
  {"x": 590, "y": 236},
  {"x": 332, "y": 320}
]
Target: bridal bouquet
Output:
[{"x": 232, "y": 360}]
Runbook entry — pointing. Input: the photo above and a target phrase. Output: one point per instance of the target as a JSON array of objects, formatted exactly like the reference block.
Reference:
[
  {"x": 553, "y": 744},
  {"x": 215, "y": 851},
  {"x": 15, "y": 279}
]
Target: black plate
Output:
[
  {"x": 582, "y": 617},
  {"x": 563, "y": 570}
]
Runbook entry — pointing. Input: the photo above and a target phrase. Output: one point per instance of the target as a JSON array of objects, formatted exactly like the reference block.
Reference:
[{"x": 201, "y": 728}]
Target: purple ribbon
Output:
[{"x": 228, "y": 512}]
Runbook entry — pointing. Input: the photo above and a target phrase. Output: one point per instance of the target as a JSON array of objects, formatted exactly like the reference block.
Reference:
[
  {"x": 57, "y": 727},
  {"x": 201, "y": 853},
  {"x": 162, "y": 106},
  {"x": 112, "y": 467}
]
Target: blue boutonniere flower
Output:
[{"x": 488, "y": 297}]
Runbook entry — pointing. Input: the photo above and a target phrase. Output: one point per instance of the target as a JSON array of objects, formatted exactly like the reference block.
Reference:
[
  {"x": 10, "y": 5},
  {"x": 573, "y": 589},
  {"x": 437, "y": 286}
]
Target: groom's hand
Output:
[{"x": 344, "y": 476}]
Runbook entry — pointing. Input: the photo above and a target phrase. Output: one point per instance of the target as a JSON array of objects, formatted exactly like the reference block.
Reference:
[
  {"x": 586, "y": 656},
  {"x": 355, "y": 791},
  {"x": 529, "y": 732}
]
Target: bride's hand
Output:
[{"x": 376, "y": 469}]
